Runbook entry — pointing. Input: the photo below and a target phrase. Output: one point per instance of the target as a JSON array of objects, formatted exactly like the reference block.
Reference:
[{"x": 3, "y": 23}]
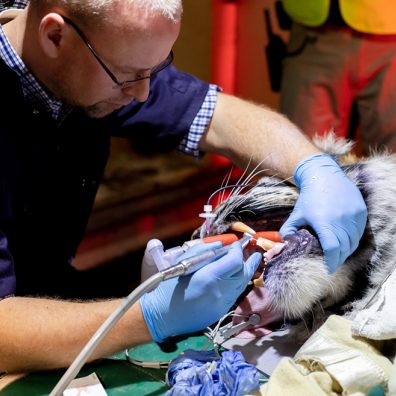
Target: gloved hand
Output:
[
  {"x": 331, "y": 204},
  {"x": 190, "y": 303}
]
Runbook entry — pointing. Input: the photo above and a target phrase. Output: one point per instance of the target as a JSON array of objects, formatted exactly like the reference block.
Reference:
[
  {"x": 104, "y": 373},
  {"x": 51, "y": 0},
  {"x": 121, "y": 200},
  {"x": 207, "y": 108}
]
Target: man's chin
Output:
[{"x": 100, "y": 110}]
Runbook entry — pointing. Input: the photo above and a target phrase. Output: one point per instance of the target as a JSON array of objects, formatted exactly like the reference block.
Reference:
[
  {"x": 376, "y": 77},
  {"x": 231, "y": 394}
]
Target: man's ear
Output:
[{"x": 52, "y": 30}]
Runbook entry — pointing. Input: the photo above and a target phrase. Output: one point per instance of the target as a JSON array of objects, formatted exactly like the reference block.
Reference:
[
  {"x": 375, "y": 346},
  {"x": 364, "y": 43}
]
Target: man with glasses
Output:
[{"x": 75, "y": 73}]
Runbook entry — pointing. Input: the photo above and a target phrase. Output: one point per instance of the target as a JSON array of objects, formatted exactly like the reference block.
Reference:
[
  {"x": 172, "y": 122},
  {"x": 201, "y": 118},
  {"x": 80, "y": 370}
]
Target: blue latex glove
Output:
[
  {"x": 198, "y": 249},
  {"x": 190, "y": 303},
  {"x": 331, "y": 204}
]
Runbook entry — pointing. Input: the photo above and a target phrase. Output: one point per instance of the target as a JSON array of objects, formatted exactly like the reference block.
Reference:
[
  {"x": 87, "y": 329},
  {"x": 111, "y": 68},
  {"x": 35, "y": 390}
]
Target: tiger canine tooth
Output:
[
  {"x": 242, "y": 227},
  {"x": 278, "y": 247},
  {"x": 265, "y": 243},
  {"x": 258, "y": 282}
]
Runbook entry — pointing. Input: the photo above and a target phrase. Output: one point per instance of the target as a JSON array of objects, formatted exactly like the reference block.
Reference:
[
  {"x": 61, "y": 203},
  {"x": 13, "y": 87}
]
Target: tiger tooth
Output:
[
  {"x": 279, "y": 246},
  {"x": 242, "y": 227},
  {"x": 265, "y": 244},
  {"x": 258, "y": 282}
]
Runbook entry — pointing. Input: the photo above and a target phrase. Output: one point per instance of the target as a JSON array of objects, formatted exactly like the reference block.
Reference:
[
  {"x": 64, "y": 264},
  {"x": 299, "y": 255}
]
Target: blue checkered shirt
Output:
[
  {"x": 4, "y": 4},
  {"x": 41, "y": 98}
]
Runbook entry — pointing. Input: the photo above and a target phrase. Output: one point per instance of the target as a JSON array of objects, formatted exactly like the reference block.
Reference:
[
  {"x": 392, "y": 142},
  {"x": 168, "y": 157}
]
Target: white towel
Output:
[{"x": 377, "y": 321}]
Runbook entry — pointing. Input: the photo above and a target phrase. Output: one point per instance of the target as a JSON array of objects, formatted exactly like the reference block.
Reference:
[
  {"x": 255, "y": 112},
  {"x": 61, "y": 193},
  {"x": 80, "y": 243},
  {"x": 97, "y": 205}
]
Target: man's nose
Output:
[{"x": 139, "y": 90}]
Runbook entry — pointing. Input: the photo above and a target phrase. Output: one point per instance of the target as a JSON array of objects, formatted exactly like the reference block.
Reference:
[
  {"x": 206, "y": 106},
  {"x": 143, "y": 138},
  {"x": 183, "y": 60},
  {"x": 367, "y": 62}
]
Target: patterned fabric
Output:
[
  {"x": 20, "y": 4},
  {"x": 189, "y": 144},
  {"x": 33, "y": 92}
]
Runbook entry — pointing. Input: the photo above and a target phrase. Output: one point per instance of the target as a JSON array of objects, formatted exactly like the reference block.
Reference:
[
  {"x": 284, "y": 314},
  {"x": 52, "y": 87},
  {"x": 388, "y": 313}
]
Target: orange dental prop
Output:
[
  {"x": 225, "y": 239},
  {"x": 265, "y": 244},
  {"x": 271, "y": 235}
]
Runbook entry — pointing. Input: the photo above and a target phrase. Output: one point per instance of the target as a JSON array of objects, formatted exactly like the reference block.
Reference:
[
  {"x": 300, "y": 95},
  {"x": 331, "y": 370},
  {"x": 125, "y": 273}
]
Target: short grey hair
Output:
[
  {"x": 85, "y": 9},
  {"x": 168, "y": 8}
]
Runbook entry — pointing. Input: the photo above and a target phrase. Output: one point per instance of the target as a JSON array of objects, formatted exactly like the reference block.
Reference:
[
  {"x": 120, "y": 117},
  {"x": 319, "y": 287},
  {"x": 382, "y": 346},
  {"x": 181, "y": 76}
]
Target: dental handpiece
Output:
[
  {"x": 185, "y": 267},
  {"x": 195, "y": 263}
]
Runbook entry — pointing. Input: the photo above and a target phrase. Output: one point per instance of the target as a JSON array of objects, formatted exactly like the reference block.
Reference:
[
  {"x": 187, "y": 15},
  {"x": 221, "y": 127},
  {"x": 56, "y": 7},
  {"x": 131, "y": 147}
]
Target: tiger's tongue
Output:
[{"x": 257, "y": 301}]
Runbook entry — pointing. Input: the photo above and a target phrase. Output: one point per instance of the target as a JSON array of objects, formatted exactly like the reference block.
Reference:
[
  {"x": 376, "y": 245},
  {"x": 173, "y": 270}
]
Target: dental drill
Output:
[{"x": 184, "y": 267}]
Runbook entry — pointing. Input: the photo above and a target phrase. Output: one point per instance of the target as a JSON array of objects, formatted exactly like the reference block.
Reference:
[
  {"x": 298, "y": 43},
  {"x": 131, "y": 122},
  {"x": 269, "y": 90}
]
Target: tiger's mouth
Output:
[
  {"x": 266, "y": 220},
  {"x": 282, "y": 275},
  {"x": 266, "y": 214},
  {"x": 303, "y": 243}
]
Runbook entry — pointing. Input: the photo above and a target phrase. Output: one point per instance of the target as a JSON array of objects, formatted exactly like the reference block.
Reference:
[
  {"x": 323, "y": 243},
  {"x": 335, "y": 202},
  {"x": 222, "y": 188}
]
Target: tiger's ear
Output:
[{"x": 52, "y": 31}]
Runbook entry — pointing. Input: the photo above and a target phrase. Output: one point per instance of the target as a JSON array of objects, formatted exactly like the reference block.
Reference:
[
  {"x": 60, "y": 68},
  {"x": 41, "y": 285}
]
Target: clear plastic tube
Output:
[{"x": 209, "y": 216}]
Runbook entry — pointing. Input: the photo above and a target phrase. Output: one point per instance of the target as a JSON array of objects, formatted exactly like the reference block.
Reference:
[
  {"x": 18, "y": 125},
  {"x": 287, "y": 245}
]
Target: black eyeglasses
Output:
[{"x": 119, "y": 84}]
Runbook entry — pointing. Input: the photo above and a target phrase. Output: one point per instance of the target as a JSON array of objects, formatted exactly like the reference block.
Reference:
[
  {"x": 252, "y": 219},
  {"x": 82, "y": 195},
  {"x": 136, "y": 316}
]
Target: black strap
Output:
[{"x": 335, "y": 18}]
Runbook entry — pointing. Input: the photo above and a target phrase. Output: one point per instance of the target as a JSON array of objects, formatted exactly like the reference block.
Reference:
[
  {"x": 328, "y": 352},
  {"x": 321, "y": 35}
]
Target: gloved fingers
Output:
[
  {"x": 293, "y": 223},
  {"x": 354, "y": 237},
  {"x": 344, "y": 236},
  {"x": 241, "y": 279},
  {"x": 226, "y": 266},
  {"x": 251, "y": 266},
  {"x": 361, "y": 220},
  {"x": 336, "y": 246},
  {"x": 198, "y": 249}
]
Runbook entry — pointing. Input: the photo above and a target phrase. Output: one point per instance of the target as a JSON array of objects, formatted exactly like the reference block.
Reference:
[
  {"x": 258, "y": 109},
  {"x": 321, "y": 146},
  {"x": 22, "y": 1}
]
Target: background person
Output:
[{"x": 341, "y": 69}]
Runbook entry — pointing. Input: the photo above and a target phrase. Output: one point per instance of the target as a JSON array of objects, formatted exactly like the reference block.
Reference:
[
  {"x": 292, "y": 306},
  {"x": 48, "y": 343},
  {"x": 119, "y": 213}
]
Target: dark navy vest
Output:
[{"x": 50, "y": 173}]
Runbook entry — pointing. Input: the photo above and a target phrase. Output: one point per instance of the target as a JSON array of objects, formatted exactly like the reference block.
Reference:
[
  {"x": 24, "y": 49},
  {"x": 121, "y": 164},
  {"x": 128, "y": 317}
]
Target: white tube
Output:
[{"x": 91, "y": 345}]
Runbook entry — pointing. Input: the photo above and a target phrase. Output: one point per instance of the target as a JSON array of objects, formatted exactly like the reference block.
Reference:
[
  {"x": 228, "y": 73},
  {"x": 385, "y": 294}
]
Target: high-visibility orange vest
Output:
[{"x": 367, "y": 16}]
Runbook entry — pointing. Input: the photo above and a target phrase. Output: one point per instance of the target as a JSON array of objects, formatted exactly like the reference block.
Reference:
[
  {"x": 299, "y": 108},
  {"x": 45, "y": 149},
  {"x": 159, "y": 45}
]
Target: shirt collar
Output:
[{"x": 33, "y": 91}]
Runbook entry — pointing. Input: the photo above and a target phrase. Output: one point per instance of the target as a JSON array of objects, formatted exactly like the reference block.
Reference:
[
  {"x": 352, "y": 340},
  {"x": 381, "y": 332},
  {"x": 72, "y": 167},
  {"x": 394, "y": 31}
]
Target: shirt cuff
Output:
[{"x": 189, "y": 144}]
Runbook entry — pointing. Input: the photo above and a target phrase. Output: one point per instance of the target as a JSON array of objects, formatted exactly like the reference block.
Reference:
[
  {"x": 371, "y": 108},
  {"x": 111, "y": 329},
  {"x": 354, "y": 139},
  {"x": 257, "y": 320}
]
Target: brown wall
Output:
[
  {"x": 253, "y": 82},
  {"x": 193, "y": 48}
]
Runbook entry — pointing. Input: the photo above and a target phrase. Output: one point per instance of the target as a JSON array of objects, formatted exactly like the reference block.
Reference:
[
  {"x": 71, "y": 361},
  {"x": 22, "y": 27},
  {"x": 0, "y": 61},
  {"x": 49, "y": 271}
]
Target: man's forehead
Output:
[
  {"x": 142, "y": 40},
  {"x": 135, "y": 16}
]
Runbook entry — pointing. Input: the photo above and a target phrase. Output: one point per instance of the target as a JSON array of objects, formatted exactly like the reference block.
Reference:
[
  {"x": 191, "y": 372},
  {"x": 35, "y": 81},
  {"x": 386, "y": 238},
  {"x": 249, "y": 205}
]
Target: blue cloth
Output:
[
  {"x": 50, "y": 173},
  {"x": 203, "y": 373},
  {"x": 377, "y": 390}
]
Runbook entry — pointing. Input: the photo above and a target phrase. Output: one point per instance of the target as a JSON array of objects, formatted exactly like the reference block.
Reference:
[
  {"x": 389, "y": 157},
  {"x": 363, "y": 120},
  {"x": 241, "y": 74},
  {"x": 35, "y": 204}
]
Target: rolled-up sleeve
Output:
[{"x": 190, "y": 143}]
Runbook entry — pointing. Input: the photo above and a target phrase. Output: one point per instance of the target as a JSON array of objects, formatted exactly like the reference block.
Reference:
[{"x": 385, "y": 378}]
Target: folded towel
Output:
[{"x": 377, "y": 320}]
